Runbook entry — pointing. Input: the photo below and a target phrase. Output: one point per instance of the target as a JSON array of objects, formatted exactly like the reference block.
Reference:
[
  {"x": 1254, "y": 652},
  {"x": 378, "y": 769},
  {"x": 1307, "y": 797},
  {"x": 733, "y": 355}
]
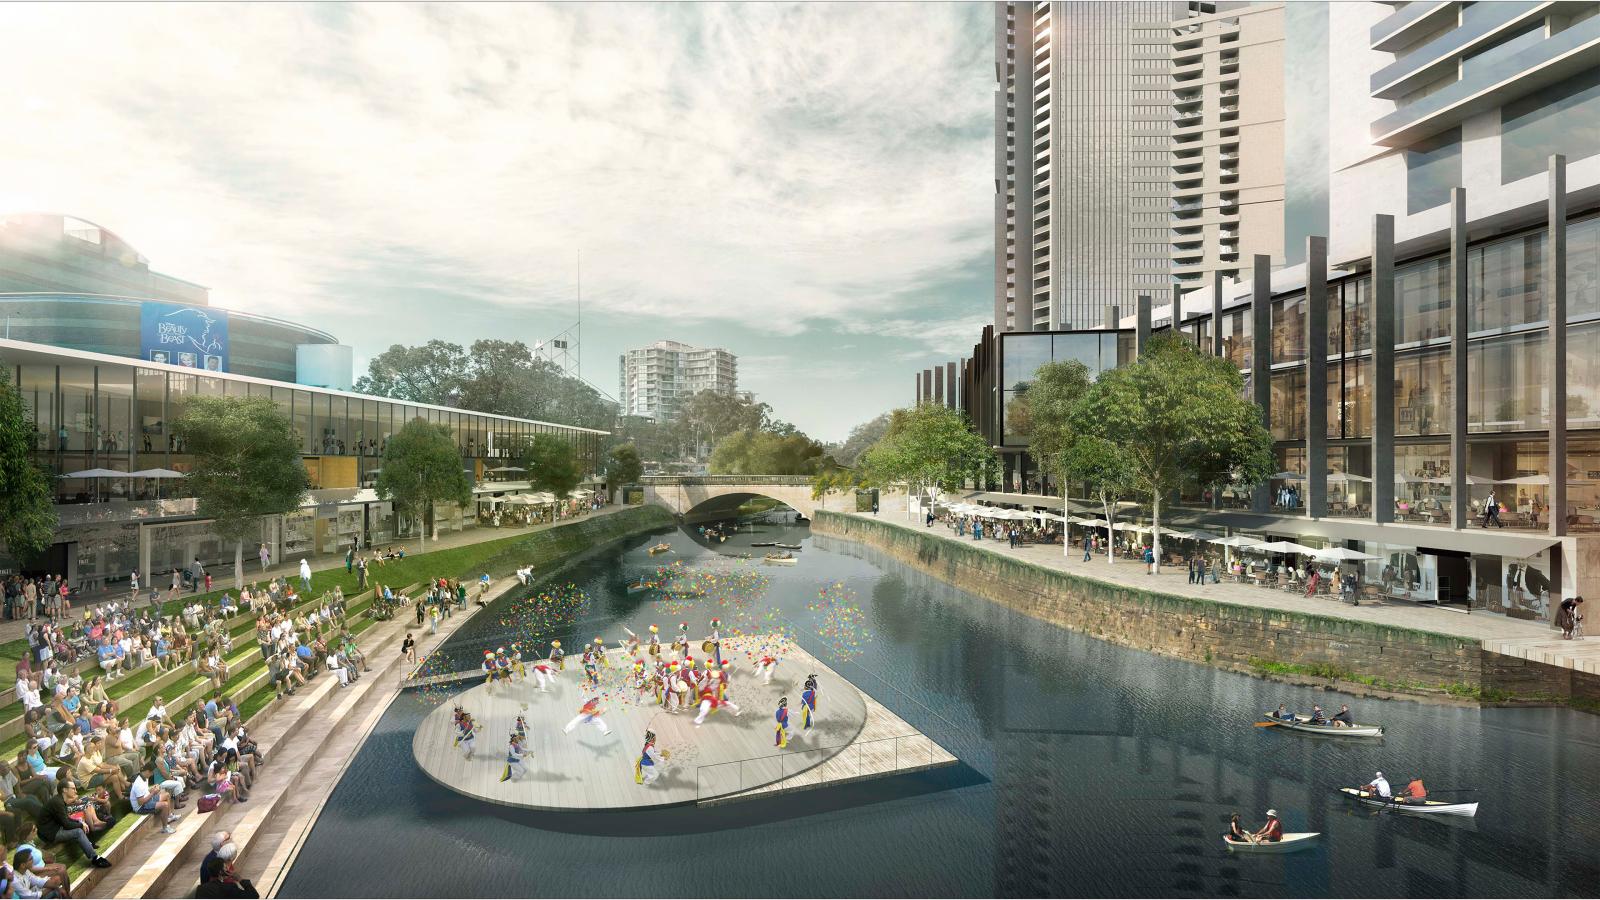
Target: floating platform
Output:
[{"x": 730, "y": 757}]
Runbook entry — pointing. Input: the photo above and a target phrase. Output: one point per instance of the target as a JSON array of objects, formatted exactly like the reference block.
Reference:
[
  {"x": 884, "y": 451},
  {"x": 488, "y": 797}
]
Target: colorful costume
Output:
[
  {"x": 781, "y": 738},
  {"x": 648, "y": 767},
  {"x": 808, "y": 701}
]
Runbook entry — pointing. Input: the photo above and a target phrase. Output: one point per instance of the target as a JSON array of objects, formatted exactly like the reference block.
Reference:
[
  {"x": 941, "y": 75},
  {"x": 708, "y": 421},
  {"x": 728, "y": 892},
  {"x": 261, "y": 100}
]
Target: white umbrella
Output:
[
  {"x": 1203, "y": 536},
  {"x": 1284, "y": 547},
  {"x": 156, "y": 473},
  {"x": 1050, "y": 516},
  {"x": 1341, "y": 554},
  {"x": 96, "y": 473},
  {"x": 1529, "y": 479},
  {"x": 1237, "y": 540},
  {"x": 1178, "y": 535},
  {"x": 1288, "y": 476},
  {"x": 1345, "y": 478}
]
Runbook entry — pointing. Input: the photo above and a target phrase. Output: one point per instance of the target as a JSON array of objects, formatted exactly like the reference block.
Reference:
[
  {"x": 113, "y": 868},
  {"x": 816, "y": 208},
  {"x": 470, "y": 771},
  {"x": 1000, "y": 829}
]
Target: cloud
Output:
[
  {"x": 954, "y": 335},
  {"x": 780, "y": 167}
]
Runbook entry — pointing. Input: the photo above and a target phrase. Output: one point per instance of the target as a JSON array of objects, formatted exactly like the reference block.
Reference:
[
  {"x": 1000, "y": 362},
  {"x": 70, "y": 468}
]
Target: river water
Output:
[{"x": 1086, "y": 770}]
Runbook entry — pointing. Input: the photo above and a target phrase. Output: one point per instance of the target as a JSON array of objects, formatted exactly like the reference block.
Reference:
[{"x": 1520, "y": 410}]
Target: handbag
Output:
[{"x": 208, "y": 803}]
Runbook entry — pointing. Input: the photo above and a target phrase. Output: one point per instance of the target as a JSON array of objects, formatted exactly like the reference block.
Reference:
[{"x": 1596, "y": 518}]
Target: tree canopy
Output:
[
  {"x": 1181, "y": 419},
  {"x": 860, "y": 438},
  {"x": 493, "y": 376},
  {"x": 622, "y": 466},
  {"x": 759, "y": 451},
  {"x": 27, "y": 505},
  {"x": 422, "y": 467},
  {"x": 246, "y": 465},
  {"x": 552, "y": 465},
  {"x": 927, "y": 446}
]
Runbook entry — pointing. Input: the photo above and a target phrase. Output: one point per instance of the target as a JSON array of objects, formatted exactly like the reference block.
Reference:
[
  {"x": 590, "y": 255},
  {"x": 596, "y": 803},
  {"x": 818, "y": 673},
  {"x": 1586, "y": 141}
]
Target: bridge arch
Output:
[{"x": 706, "y": 497}]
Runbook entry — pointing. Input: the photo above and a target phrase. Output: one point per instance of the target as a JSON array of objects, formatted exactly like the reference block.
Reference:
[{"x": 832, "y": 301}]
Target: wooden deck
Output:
[{"x": 729, "y": 755}]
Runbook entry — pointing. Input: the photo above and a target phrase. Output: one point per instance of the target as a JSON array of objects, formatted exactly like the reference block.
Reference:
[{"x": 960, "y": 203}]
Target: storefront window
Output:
[
  {"x": 38, "y": 387},
  {"x": 1350, "y": 481},
  {"x": 1583, "y": 268},
  {"x": 1237, "y": 327},
  {"x": 1508, "y": 390},
  {"x": 1422, "y": 483},
  {"x": 115, "y": 417},
  {"x": 150, "y": 386},
  {"x": 1288, "y": 329},
  {"x": 1350, "y": 317},
  {"x": 77, "y": 409},
  {"x": 302, "y": 422},
  {"x": 1504, "y": 283},
  {"x": 1422, "y": 301},
  {"x": 1422, "y": 393},
  {"x": 1023, "y": 355},
  {"x": 1288, "y": 412},
  {"x": 1350, "y": 399},
  {"x": 1288, "y": 484},
  {"x": 1583, "y": 485},
  {"x": 1525, "y": 588}
]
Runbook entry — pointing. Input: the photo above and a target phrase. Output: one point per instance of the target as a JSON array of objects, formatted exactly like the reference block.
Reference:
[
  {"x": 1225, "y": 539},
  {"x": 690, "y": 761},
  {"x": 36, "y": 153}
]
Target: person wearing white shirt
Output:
[
  {"x": 1380, "y": 786},
  {"x": 28, "y": 695}
]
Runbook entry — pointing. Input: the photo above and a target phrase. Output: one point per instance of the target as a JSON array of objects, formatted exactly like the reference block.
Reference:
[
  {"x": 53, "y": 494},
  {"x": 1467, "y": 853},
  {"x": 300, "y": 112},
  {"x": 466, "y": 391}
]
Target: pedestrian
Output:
[
  {"x": 1569, "y": 617},
  {"x": 408, "y": 649},
  {"x": 265, "y": 555},
  {"x": 1149, "y": 561},
  {"x": 349, "y": 560},
  {"x": 305, "y": 573},
  {"x": 133, "y": 587},
  {"x": 361, "y": 575}
]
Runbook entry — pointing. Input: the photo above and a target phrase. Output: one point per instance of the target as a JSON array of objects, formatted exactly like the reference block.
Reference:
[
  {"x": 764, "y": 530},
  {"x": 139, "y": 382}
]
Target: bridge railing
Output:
[{"x": 725, "y": 480}]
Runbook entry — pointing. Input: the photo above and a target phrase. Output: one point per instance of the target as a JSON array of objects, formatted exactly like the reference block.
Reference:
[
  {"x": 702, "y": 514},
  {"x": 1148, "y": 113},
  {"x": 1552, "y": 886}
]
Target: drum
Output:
[{"x": 706, "y": 647}]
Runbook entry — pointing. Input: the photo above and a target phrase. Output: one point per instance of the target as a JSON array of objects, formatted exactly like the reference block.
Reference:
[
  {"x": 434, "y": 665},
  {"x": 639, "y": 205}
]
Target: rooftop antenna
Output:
[{"x": 565, "y": 349}]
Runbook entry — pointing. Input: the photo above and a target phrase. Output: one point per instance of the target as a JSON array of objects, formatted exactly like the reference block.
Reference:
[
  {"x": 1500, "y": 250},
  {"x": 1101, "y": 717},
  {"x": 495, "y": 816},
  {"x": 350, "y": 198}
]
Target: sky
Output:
[{"x": 809, "y": 186}]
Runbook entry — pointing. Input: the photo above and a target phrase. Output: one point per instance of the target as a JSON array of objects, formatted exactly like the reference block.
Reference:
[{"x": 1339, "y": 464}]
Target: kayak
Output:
[
  {"x": 1303, "y": 724},
  {"x": 1292, "y": 841},
  {"x": 764, "y": 543},
  {"x": 787, "y": 546},
  {"x": 775, "y": 560},
  {"x": 1436, "y": 807}
]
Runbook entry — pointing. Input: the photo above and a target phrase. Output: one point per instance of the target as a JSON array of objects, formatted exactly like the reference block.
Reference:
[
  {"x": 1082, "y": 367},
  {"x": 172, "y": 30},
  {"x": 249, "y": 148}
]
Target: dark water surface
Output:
[{"x": 1087, "y": 770}]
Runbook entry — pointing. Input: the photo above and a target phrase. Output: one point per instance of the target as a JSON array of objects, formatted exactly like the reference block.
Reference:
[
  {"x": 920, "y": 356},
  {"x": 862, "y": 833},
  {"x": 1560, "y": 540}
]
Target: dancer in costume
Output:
[
  {"x": 680, "y": 644},
  {"x": 466, "y": 733},
  {"x": 489, "y": 671},
  {"x": 710, "y": 701},
  {"x": 716, "y": 641},
  {"x": 521, "y": 728},
  {"x": 648, "y": 767},
  {"x": 516, "y": 662},
  {"x": 546, "y": 674},
  {"x": 591, "y": 671},
  {"x": 781, "y": 738},
  {"x": 514, "y": 753},
  {"x": 768, "y": 665},
  {"x": 589, "y": 712},
  {"x": 558, "y": 656},
  {"x": 808, "y": 702},
  {"x": 655, "y": 642},
  {"x": 600, "y": 653}
]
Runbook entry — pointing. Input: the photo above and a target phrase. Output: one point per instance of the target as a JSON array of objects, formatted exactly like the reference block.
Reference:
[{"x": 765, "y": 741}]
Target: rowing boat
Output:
[
  {"x": 1292, "y": 841},
  {"x": 1435, "y": 807},
  {"x": 764, "y": 543},
  {"x": 660, "y": 548},
  {"x": 787, "y": 546},
  {"x": 1303, "y": 724},
  {"x": 636, "y": 587},
  {"x": 772, "y": 559}
]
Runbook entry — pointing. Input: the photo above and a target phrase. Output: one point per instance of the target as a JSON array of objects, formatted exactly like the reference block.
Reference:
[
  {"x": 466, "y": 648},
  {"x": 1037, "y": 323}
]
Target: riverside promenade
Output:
[{"x": 1534, "y": 641}]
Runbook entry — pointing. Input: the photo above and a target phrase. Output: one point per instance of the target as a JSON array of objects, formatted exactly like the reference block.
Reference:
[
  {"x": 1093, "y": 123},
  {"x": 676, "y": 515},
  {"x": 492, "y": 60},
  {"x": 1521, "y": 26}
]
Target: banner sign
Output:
[{"x": 191, "y": 336}]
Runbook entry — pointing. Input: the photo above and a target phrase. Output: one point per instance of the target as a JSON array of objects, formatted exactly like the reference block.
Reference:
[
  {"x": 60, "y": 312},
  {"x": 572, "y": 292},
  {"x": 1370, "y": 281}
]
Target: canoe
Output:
[
  {"x": 787, "y": 546},
  {"x": 1292, "y": 841},
  {"x": 1303, "y": 725},
  {"x": 764, "y": 544},
  {"x": 639, "y": 587},
  {"x": 660, "y": 548},
  {"x": 1433, "y": 807},
  {"x": 779, "y": 560}
]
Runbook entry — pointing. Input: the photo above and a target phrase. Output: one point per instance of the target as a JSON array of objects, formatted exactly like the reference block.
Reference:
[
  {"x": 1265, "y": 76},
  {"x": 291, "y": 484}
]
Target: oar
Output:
[
  {"x": 1267, "y": 724},
  {"x": 1431, "y": 791}
]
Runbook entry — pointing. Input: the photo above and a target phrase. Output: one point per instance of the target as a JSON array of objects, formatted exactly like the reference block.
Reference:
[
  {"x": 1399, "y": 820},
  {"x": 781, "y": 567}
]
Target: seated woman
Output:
[
  {"x": 82, "y": 809},
  {"x": 222, "y": 781},
  {"x": 1237, "y": 834},
  {"x": 93, "y": 770},
  {"x": 33, "y": 726},
  {"x": 94, "y": 693}
]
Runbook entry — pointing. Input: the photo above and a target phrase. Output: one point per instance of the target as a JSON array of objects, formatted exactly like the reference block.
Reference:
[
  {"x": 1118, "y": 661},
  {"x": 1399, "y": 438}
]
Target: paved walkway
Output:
[{"x": 1515, "y": 637}]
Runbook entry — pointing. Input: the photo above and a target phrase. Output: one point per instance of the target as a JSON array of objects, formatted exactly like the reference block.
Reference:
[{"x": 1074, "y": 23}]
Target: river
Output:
[{"x": 1086, "y": 770}]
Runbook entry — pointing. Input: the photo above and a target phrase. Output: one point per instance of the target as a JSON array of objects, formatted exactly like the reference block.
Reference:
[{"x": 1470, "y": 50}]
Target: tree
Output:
[
  {"x": 861, "y": 437},
  {"x": 928, "y": 447},
  {"x": 763, "y": 452},
  {"x": 552, "y": 465},
  {"x": 246, "y": 465},
  {"x": 27, "y": 507},
  {"x": 422, "y": 467},
  {"x": 1061, "y": 430},
  {"x": 1181, "y": 418},
  {"x": 708, "y": 417},
  {"x": 623, "y": 466},
  {"x": 432, "y": 373},
  {"x": 832, "y": 477}
]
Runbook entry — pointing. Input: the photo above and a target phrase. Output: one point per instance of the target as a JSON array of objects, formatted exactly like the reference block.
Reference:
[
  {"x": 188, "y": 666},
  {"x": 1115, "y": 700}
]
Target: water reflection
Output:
[{"x": 1088, "y": 770}]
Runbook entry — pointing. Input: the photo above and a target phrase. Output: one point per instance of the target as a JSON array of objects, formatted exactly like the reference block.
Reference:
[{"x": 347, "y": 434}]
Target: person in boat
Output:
[
  {"x": 1342, "y": 718},
  {"x": 1272, "y": 832},
  {"x": 1317, "y": 717},
  {"x": 1380, "y": 788},
  {"x": 1235, "y": 833},
  {"x": 1283, "y": 714}
]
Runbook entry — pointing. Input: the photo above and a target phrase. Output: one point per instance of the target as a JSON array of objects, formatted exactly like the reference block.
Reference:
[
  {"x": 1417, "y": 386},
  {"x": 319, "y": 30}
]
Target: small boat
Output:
[
  {"x": 1291, "y": 841},
  {"x": 763, "y": 544},
  {"x": 1303, "y": 724},
  {"x": 636, "y": 587},
  {"x": 660, "y": 548},
  {"x": 776, "y": 559},
  {"x": 787, "y": 546},
  {"x": 1435, "y": 807}
]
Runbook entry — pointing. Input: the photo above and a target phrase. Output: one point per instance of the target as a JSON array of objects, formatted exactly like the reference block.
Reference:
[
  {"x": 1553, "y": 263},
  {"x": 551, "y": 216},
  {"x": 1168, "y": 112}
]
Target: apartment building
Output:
[{"x": 654, "y": 380}]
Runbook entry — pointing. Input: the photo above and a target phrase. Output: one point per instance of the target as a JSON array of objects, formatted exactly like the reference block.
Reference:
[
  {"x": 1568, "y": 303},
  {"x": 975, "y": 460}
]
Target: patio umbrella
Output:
[
  {"x": 1345, "y": 478},
  {"x": 1237, "y": 540},
  {"x": 1288, "y": 476},
  {"x": 1341, "y": 554},
  {"x": 1284, "y": 547},
  {"x": 96, "y": 474},
  {"x": 158, "y": 474},
  {"x": 1203, "y": 536},
  {"x": 1529, "y": 479}
]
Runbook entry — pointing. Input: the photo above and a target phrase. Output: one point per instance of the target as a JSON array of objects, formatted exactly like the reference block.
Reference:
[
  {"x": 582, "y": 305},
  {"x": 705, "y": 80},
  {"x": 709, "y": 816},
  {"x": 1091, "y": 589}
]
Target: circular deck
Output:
[{"x": 586, "y": 770}]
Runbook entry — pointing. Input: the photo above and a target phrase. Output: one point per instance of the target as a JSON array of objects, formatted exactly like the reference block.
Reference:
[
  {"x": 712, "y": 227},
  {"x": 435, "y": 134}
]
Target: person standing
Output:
[
  {"x": 781, "y": 731},
  {"x": 133, "y": 588},
  {"x": 305, "y": 573},
  {"x": 349, "y": 559},
  {"x": 361, "y": 575},
  {"x": 265, "y": 556},
  {"x": 1568, "y": 616},
  {"x": 808, "y": 702},
  {"x": 30, "y": 598},
  {"x": 648, "y": 768},
  {"x": 1149, "y": 560}
]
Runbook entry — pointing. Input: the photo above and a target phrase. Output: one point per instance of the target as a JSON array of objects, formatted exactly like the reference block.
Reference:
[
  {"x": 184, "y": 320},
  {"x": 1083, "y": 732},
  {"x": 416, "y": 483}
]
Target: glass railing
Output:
[{"x": 845, "y": 762}]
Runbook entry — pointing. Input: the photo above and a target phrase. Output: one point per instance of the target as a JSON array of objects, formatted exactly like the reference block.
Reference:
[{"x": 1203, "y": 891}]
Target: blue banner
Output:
[{"x": 191, "y": 336}]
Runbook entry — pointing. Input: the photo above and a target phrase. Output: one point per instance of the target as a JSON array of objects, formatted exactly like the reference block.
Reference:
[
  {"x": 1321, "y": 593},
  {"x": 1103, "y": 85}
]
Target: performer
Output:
[
  {"x": 768, "y": 665},
  {"x": 546, "y": 674},
  {"x": 722, "y": 679},
  {"x": 522, "y": 728},
  {"x": 680, "y": 644},
  {"x": 781, "y": 738},
  {"x": 589, "y": 712},
  {"x": 466, "y": 733},
  {"x": 808, "y": 702},
  {"x": 591, "y": 671},
  {"x": 557, "y": 656},
  {"x": 641, "y": 680},
  {"x": 716, "y": 641},
  {"x": 489, "y": 673},
  {"x": 709, "y": 701},
  {"x": 680, "y": 689},
  {"x": 655, "y": 642},
  {"x": 600, "y": 653},
  {"x": 514, "y": 753},
  {"x": 516, "y": 662},
  {"x": 648, "y": 768},
  {"x": 630, "y": 644}
]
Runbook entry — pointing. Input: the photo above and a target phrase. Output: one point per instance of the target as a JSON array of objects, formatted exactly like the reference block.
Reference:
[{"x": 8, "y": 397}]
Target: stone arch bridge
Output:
[{"x": 707, "y": 497}]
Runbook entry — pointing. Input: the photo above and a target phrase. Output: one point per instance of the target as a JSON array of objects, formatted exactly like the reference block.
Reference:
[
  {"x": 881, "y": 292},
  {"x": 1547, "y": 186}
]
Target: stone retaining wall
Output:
[{"x": 1230, "y": 636}]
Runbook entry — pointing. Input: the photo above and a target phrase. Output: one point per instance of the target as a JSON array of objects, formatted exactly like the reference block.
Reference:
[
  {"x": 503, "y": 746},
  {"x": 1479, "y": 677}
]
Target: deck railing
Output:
[{"x": 841, "y": 762}]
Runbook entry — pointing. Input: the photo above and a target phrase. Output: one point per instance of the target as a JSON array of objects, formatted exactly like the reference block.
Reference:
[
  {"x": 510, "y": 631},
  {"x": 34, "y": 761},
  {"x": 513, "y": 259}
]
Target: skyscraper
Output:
[
  {"x": 1083, "y": 114},
  {"x": 654, "y": 380}
]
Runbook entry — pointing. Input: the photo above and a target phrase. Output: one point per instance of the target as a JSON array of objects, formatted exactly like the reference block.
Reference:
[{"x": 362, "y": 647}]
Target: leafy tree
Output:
[
  {"x": 928, "y": 447},
  {"x": 861, "y": 437},
  {"x": 246, "y": 465},
  {"x": 422, "y": 467},
  {"x": 1181, "y": 418},
  {"x": 552, "y": 465},
  {"x": 708, "y": 417},
  {"x": 762, "y": 452},
  {"x": 432, "y": 373},
  {"x": 831, "y": 478},
  {"x": 623, "y": 466},
  {"x": 27, "y": 507}
]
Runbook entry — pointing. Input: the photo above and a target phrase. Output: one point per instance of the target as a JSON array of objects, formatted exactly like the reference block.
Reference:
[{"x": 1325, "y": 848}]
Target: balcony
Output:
[
  {"x": 1481, "y": 24},
  {"x": 1404, "y": 24}
]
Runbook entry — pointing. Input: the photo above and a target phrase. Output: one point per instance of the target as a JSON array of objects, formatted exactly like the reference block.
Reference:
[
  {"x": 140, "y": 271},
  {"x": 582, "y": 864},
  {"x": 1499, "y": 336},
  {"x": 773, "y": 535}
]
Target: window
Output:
[
  {"x": 1504, "y": 283},
  {"x": 1562, "y": 118},
  {"x": 1288, "y": 411},
  {"x": 1422, "y": 393},
  {"x": 1433, "y": 167},
  {"x": 1422, "y": 301},
  {"x": 1507, "y": 387},
  {"x": 1583, "y": 268},
  {"x": 1289, "y": 329}
]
